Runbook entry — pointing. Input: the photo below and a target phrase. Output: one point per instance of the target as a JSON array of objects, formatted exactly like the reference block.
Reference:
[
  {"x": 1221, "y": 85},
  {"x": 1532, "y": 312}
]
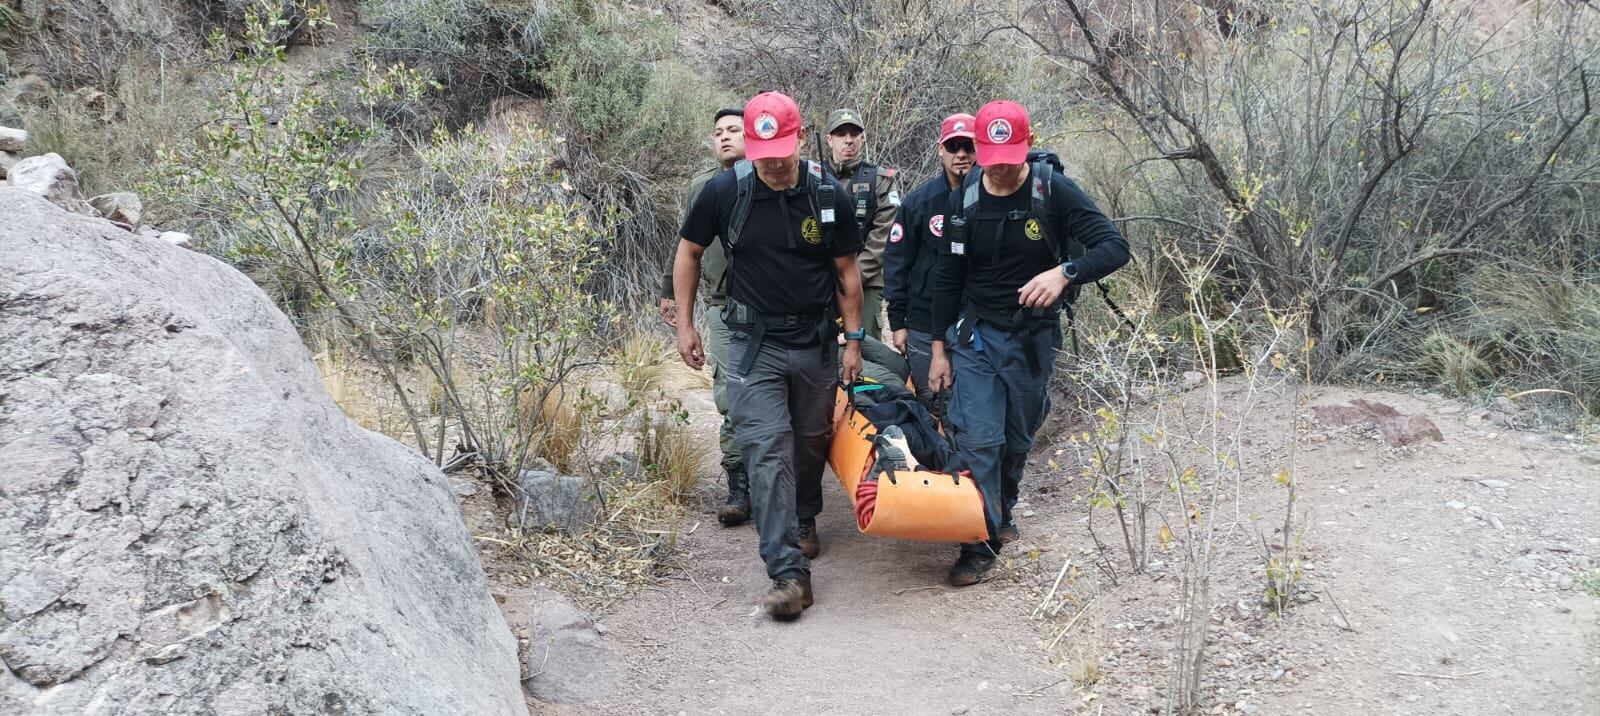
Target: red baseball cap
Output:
[
  {"x": 771, "y": 126},
  {"x": 957, "y": 125},
  {"x": 1003, "y": 134}
]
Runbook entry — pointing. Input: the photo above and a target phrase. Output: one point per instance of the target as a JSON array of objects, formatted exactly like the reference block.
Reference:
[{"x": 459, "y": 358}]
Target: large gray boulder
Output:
[{"x": 188, "y": 524}]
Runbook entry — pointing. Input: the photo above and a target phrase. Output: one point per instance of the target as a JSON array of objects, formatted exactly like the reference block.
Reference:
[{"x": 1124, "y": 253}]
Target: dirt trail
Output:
[{"x": 1456, "y": 563}]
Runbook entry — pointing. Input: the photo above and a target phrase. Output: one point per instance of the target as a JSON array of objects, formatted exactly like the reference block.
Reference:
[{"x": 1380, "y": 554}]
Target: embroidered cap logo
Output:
[
  {"x": 999, "y": 131},
  {"x": 766, "y": 126}
]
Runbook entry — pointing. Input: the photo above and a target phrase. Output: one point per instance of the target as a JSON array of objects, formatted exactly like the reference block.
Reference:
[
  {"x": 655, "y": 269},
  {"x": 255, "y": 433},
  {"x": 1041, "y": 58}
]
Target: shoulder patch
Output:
[{"x": 886, "y": 171}]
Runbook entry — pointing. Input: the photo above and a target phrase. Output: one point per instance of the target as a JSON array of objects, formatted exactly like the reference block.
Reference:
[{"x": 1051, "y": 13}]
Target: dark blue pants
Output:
[
  {"x": 997, "y": 406},
  {"x": 919, "y": 353}
]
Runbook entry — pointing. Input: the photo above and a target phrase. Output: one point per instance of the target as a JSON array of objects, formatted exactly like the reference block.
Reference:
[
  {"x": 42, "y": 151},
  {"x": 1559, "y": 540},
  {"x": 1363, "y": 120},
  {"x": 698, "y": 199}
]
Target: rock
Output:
[
  {"x": 49, "y": 176},
  {"x": 1591, "y": 458},
  {"x": 7, "y": 161},
  {"x": 1504, "y": 405},
  {"x": 1192, "y": 379},
  {"x": 1495, "y": 484},
  {"x": 1494, "y": 521},
  {"x": 122, "y": 206},
  {"x": 190, "y": 524},
  {"x": 1398, "y": 429},
  {"x": 33, "y": 89},
  {"x": 1449, "y": 409},
  {"x": 176, "y": 238},
  {"x": 567, "y": 659},
  {"x": 547, "y": 499},
  {"x": 463, "y": 487},
  {"x": 1456, "y": 505},
  {"x": 13, "y": 140},
  {"x": 1564, "y": 582}
]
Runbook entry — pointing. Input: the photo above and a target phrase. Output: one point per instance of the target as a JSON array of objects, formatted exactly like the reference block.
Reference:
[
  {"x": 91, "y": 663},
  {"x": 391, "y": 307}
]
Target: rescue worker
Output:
[
  {"x": 912, "y": 251},
  {"x": 727, "y": 144},
  {"x": 791, "y": 259},
  {"x": 1007, "y": 263},
  {"x": 874, "y": 197}
]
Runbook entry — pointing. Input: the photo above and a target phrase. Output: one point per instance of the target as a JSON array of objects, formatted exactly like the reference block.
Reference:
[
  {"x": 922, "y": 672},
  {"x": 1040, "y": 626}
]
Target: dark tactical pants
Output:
[
  {"x": 717, "y": 351},
  {"x": 997, "y": 407},
  {"x": 782, "y": 413},
  {"x": 919, "y": 352}
]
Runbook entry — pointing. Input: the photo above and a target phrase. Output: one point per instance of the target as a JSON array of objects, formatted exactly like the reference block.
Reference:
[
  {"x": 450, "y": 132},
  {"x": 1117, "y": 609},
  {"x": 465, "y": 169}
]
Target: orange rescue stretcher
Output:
[{"x": 904, "y": 504}]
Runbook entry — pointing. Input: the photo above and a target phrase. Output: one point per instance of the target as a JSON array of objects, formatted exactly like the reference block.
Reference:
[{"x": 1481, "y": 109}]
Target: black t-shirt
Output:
[
  {"x": 1005, "y": 248},
  {"x": 780, "y": 265},
  {"x": 988, "y": 273}
]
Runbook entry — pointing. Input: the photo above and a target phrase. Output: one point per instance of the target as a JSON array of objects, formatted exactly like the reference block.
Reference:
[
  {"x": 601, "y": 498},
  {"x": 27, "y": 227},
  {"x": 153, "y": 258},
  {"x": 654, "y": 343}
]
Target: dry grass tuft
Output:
[
  {"x": 1453, "y": 362},
  {"x": 555, "y": 420},
  {"x": 672, "y": 456}
]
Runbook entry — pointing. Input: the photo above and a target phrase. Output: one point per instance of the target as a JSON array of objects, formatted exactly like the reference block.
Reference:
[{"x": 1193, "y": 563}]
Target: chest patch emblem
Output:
[
  {"x": 811, "y": 231},
  {"x": 936, "y": 225},
  {"x": 1033, "y": 230}
]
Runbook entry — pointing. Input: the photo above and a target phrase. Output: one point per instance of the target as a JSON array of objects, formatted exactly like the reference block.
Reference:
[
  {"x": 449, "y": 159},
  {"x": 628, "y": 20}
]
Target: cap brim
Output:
[
  {"x": 847, "y": 123},
  {"x": 992, "y": 154},
  {"x": 774, "y": 148},
  {"x": 956, "y": 135}
]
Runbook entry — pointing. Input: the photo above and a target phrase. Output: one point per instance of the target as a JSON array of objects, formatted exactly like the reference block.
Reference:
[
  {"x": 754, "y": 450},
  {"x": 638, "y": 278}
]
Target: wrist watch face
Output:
[{"x": 1070, "y": 270}]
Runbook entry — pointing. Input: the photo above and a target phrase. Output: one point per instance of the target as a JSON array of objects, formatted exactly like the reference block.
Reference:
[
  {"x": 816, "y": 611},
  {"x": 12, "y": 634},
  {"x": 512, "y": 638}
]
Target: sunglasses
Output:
[{"x": 957, "y": 144}]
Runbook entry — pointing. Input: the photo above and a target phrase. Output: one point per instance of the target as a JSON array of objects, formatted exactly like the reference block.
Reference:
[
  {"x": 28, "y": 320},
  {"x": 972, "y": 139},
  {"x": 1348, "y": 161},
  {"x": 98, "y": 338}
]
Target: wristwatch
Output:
[
  {"x": 1070, "y": 270},
  {"x": 859, "y": 334}
]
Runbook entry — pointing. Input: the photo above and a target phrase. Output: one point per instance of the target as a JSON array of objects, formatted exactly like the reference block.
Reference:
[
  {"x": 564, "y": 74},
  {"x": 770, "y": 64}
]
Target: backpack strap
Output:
[{"x": 744, "y": 174}]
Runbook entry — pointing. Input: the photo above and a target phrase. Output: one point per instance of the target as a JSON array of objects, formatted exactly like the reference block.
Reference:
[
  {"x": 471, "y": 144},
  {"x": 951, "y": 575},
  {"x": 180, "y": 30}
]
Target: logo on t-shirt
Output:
[
  {"x": 936, "y": 225},
  {"x": 766, "y": 126},
  {"x": 811, "y": 231},
  {"x": 896, "y": 233},
  {"x": 999, "y": 131},
  {"x": 1033, "y": 230}
]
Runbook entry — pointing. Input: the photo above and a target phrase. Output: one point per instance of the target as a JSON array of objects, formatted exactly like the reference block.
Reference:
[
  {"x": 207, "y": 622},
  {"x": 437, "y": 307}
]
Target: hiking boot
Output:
[
  {"x": 1007, "y": 533},
  {"x": 970, "y": 569},
  {"x": 787, "y": 599},
  {"x": 737, "y": 511},
  {"x": 810, "y": 545}
]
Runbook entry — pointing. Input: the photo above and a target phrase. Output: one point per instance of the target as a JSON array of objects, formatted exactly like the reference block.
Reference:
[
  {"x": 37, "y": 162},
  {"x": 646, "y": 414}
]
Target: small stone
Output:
[
  {"x": 1456, "y": 505},
  {"x": 1504, "y": 405},
  {"x": 1495, "y": 484},
  {"x": 1192, "y": 379},
  {"x": 7, "y": 160},
  {"x": 1476, "y": 510},
  {"x": 1591, "y": 458},
  {"x": 13, "y": 140},
  {"x": 177, "y": 238},
  {"x": 122, "y": 207},
  {"x": 960, "y": 710},
  {"x": 1564, "y": 582},
  {"x": 463, "y": 487},
  {"x": 1495, "y": 522},
  {"x": 167, "y": 655},
  {"x": 1559, "y": 547}
]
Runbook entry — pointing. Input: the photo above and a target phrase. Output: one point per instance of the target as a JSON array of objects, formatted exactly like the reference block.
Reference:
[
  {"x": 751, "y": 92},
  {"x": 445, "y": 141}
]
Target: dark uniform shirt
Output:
[
  {"x": 713, "y": 263},
  {"x": 994, "y": 264},
  {"x": 780, "y": 265},
  {"x": 880, "y": 182},
  {"x": 912, "y": 252}
]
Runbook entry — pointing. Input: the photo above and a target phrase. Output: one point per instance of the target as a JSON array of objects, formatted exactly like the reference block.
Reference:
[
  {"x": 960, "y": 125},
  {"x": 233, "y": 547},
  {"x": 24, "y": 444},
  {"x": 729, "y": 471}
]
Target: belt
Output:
[
  {"x": 759, "y": 323},
  {"x": 1026, "y": 321}
]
